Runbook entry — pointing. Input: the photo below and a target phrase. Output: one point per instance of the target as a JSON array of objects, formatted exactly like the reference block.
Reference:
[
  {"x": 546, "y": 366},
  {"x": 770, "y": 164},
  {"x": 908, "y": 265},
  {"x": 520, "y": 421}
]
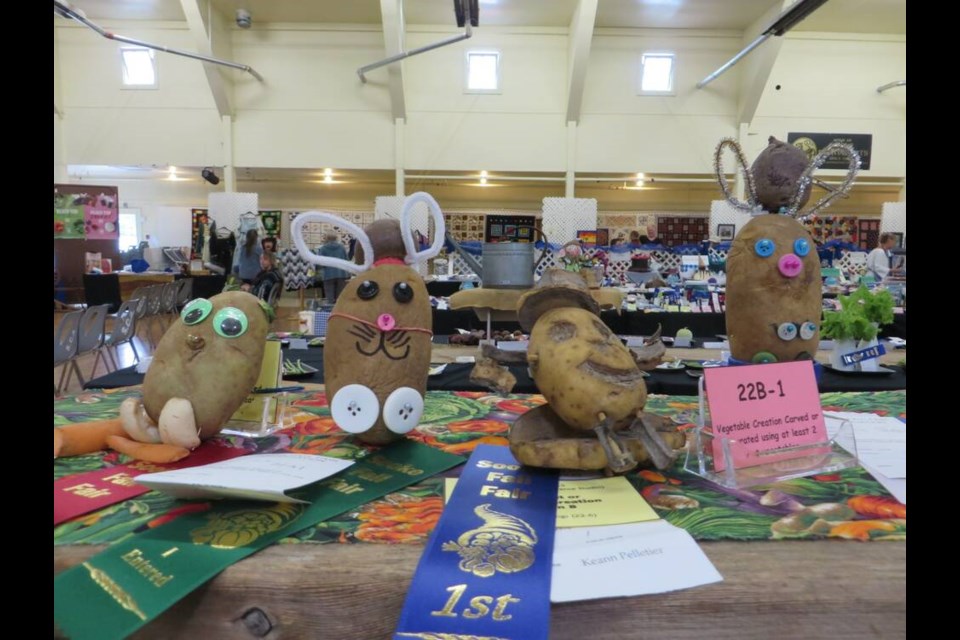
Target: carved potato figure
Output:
[
  {"x": 205, "y": 365},
  {"x": 584, "y": 370},
  {"x": 773, "y": 292},
  {"x": 773, "y": 270},
  {"x": 379, "y": 333},
  {"x": 211, "y": 356},
  {"x": 377, "y": 352}
]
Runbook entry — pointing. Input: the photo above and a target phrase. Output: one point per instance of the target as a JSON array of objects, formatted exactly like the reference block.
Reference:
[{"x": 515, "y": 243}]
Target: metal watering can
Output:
[{"x": 506, "y": 265}]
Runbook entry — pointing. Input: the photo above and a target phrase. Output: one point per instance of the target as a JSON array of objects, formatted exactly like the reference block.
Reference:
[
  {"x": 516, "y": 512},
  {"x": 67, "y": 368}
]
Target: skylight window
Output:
[
  {"x": 139, "y": 68},
  {"x": 656, "y": 74},
  {"x": 483, "y": 72}
]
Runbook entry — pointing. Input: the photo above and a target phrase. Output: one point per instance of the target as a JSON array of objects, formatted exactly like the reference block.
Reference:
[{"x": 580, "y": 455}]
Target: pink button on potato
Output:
[
  {"x": 386, "y": 322},
  {"x": 790, "y": 265}
]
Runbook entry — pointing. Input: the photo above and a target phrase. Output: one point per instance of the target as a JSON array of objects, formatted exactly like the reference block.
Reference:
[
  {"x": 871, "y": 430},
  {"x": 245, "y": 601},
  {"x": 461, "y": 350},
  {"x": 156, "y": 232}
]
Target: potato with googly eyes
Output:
[
  {"x": 378, "y": 345},
  {"x": 204, "y": 367}
]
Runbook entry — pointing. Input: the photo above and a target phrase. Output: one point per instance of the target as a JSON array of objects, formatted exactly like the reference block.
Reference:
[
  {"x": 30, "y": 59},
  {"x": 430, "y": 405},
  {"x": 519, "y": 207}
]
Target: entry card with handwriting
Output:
[
  {"x": 264, "y": 476},
  {"x": 627, "y": 560},
  {"x": 594, "y": 502}
]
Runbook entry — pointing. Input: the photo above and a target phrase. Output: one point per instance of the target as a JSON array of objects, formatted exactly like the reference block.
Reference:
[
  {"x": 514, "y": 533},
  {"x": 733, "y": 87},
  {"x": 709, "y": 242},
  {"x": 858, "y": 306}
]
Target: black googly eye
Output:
[
  {"x": 402, "y": 292},
  {"x": 230, "y": 322},
  {"x": 368, "y": 290},
  {"x": 196, "y": 311}
]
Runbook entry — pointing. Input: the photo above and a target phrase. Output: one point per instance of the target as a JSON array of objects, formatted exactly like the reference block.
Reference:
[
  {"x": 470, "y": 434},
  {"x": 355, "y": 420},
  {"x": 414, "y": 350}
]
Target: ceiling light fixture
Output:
[
  {"x": 327, "y": 173},
  {"x": 483, "y": 174},
  {"x": 483, "y": 181},
  {"x": 328, "y": 180}
]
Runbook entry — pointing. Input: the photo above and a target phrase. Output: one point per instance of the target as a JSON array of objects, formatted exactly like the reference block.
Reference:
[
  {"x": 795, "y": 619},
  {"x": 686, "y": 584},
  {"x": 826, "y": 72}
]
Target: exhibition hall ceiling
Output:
[{"x": 852, "y": 16}]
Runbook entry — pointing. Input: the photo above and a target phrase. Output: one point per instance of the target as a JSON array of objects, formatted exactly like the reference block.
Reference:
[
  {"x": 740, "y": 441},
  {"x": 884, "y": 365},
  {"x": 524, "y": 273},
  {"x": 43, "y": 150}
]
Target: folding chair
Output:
[
  {"x": 154, "y": 301},
  {"x": 124, "y": 330},
  {"x": 92, "y": 329},
  {"x": 65, "y": 348}
]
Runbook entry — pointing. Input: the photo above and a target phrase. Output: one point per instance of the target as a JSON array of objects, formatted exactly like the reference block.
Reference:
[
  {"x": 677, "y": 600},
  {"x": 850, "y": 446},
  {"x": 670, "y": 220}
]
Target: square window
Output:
[
  {"x": 656, "y": 74},
  {"x": 483, "y": 72},
  {"x": 139, "y": 68}
]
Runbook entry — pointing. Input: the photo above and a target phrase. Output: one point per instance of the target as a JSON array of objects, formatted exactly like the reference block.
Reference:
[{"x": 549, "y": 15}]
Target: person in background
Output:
[
  {"x": 269, "y": 245},
  {"x": 878, "y": 260},
  {"x": 268, "y": 276},
  {"x": 333, "y": 279},
  {"x": 248, "y": 264}
]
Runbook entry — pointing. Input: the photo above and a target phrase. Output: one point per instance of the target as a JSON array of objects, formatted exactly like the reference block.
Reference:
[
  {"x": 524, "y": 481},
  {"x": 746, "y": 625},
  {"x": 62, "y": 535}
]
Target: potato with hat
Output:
[{"x": 592, "y": 382}]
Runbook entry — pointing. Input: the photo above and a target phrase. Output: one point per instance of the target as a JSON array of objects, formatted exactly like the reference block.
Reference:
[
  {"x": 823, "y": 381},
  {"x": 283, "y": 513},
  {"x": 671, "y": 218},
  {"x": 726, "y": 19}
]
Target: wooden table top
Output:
[{"x": 783, "y": 589}]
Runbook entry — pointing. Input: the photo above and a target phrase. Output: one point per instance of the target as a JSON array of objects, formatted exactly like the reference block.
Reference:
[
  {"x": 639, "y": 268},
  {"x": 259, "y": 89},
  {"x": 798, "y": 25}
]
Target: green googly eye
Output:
[
  {"x": 197, "y": 311},
  {"x": 230, "y": 322}
]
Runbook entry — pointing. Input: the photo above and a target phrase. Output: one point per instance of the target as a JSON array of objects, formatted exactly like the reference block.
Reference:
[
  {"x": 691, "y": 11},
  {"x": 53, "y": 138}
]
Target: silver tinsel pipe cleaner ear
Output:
[
  {"x": 750, "y": 206},
  {"x": 806, "y": 178}
]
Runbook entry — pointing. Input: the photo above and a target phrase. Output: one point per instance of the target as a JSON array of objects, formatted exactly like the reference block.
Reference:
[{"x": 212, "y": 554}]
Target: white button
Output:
[
  {"x": 807, "y": 329},
  {"x": 402, "y": 410},
  {"x": 355, "y": 408},
  {"x": 787, "y": 331}
]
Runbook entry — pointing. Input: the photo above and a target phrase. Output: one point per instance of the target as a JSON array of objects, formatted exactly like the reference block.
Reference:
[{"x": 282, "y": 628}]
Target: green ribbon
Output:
[{"x": 119, "y": 590}]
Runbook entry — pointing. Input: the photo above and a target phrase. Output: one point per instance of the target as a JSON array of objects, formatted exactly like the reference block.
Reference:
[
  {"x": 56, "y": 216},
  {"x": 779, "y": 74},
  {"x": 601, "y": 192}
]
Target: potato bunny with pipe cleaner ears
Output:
[{"x": 377, "y": 353}]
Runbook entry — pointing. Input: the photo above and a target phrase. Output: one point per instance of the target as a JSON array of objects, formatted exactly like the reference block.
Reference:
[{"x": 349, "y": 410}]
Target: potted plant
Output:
[{"x": 856, "y": 325}]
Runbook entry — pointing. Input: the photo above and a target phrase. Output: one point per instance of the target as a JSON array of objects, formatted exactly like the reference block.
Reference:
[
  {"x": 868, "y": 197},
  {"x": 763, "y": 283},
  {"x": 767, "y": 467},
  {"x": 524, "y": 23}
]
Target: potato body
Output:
[
  {"x": 215, "y": 373},
  {"x": 583, "y": 369},
  {"x": 767, "y": 292},
  {"x": 358, "y": 352}
]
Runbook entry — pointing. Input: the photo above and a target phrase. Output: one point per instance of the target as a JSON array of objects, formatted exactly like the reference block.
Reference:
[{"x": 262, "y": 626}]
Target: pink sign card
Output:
[{"x": 763, "y": 408}]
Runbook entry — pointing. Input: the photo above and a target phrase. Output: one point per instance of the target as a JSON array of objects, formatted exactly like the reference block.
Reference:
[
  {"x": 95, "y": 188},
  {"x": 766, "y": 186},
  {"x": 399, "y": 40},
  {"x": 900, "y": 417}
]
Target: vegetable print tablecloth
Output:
[{"x": 849, "y": 504}]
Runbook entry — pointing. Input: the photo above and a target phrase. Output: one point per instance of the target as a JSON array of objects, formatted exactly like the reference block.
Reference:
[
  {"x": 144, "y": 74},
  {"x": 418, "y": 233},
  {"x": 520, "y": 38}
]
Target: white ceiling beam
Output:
[
  {"x": 581, "y": 37},
  {"x": 391, "y": 13},
  {"x": 197, "y": 13},
  {"x": 756, "y": 68}
]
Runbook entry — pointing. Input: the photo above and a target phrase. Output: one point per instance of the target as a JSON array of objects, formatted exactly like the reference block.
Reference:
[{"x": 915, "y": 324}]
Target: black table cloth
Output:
[{"x": 456, "y": 377}]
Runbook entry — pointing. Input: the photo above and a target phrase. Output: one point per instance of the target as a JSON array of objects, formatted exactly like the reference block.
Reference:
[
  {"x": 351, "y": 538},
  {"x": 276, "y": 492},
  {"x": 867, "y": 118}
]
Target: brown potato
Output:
[
  {"x": 762, "y": 297},
  {"x": 359, "y": 353},
  {"x": 584, "y": 370},
  {"x": 198, "y": 363}
]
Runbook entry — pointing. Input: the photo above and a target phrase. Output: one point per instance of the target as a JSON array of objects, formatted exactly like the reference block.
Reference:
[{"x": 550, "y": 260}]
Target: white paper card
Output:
[
  {"x": 881, "y": 440},
  {"x": 265, "y": 476},
  {"x": 299, "y": 343},
  {"x": 626, "y": 560},
  {"x": 512, "y": 345},
  {"x": 716, "y": 345},
  {"x": 896, "y": 486}
]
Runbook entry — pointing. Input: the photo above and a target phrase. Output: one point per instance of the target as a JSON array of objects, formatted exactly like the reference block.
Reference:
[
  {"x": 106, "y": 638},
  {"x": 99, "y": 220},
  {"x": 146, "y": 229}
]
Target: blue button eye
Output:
[
  {"x": 764, "y": 247},
  {"x": 801, "y": 247}
]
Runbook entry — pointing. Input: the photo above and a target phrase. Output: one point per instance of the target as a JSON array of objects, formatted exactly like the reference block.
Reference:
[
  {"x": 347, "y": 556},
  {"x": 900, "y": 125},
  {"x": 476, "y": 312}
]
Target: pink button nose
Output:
[
  {"x": 790, "y": 265},
  {"x": 386, "y": 322}
]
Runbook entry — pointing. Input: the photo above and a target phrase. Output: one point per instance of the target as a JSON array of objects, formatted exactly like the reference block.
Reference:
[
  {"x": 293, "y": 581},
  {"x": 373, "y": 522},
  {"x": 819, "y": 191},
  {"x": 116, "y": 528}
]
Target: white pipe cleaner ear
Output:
[
  {"x": 322, "y": 216},
  {"x": 414, "y": 256},
  {"x": 751, "y": 206}
]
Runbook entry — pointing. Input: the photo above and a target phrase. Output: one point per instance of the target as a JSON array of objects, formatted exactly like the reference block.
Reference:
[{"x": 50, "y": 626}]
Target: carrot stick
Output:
[
  {"x": 145, "y": 451},
  {"x": 84, "y": 437}
]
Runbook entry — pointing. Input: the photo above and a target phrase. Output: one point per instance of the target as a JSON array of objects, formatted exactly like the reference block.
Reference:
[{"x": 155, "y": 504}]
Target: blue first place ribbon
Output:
[{"x": 486, "y": 570}]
